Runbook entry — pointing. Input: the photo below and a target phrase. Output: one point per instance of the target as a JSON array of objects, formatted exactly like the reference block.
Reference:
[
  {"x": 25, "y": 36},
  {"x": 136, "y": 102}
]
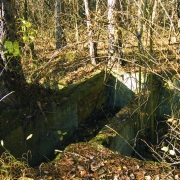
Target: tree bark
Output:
[
  {"x": 58, "y": 24},
  {"x": 92, "y": 44},
  {"x": 114, "y": 34},
  {"x": 60, "y": 36},
  {"x": 152, "y": 96},
  {"x": 25, "y": 10},
  {"x": 8, "y": 32},
  {"x": 2, "y": 34},
  {"x": 178, "y": 12}
]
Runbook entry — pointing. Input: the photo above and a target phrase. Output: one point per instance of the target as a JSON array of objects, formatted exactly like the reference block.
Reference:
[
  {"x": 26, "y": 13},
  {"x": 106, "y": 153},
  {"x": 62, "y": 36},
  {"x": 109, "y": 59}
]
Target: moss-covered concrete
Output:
[
  {"x": 119, "y": 134},
  {"x": 54, "y": 126}
]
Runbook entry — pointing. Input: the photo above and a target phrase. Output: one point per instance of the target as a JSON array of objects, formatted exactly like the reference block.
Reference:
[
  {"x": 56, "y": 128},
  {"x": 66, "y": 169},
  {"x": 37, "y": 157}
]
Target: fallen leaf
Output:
[
  {"x": 2, "y": 143},
  {"x": 29, "y": 137},
  {"x": 165, "y": 149},
  {"x": 46, "y": 172},
  {"x": 172, "y": 152}
]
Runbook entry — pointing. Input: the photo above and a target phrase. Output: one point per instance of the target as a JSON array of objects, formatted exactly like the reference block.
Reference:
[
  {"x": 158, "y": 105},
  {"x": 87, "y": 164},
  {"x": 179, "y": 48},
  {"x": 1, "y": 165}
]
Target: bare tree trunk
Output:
[
  {"x": 142, "y": 8},
  {"x": 58, "y": 24},
  {"x": 153, "y": 14},
  {"x": 75, "y": 11},
  {"x": 140, "y": 23},
  {"x": 152, "y": 97},
  {"x": 114, "y": 33},
  {"x": 141, "y": 5},
  {"x": 178, "y": 12},
  {"x": 92, "y": 44},
  {"x": 2, "y": 34},
  {"x": 60, "y": 36},
  {"x": 111, "y": 29},
  {"x": 25, "y": 10},
  {"x": 8, "y": 32}
]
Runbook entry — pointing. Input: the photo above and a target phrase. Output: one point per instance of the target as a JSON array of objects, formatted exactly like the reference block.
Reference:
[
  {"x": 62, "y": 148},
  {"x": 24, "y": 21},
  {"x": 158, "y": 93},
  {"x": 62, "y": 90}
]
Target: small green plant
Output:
[
  {"x": 62, "y": 134},
  {"x": 27, "y": 31},
  {"x": 28, "y": 34},
  {"x": 11, "y": 49}
]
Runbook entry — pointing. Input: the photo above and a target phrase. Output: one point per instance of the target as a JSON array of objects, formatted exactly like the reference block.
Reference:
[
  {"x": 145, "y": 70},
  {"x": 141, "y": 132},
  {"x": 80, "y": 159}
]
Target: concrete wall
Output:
[
  {"x": 122, "y": 87},
  {"x": 119, "y": 134},
  {"x": 123, "y": 128},
  {"x": 71, "y": 105}
]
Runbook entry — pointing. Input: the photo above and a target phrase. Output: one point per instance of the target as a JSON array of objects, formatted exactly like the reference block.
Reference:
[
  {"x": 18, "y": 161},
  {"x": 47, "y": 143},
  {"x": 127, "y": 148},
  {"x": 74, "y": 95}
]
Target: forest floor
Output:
[
  {"x": 69, "y": 65},
  {"x": 82, "y": 161}
]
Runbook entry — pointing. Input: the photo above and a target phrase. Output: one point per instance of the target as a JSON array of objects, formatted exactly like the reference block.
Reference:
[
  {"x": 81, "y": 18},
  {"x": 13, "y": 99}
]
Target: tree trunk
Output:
[
  {"x": 60, "y": 36},
  {"x": 152, "y": 14},
  {"x": 92, "y": 44},
  {"x": 141, "y": 5},
  {"x": 75, "y": 12},
  {"x": 152, "y": 96},
  {"x": 114, "y": 33},
  {"x": 178, "y": 12},
  {"x": 142, "y": 8},
  {"x": 2, "y": 35},
  {"x": 8, "y": 32},
  {"x": 140, "y": 23},
  {"x": 58, "y": 24},
  {"x": 25, "y": 10}
]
